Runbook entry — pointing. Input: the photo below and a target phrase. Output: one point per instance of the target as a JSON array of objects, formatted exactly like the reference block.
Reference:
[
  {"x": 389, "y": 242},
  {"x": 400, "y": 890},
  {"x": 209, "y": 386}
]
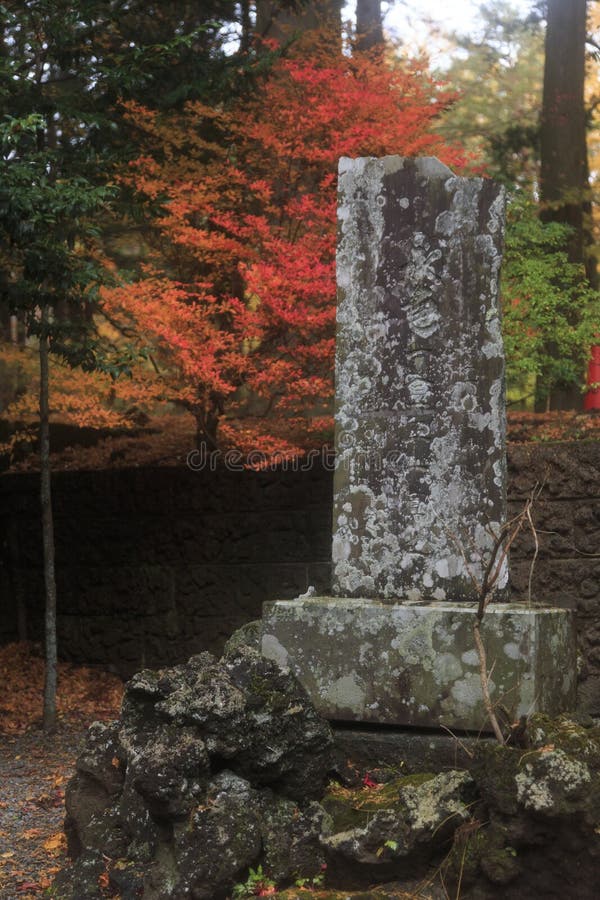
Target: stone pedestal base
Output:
[
  {"x": 416, "y": 664},
  {"x": 359, "y": 749}
]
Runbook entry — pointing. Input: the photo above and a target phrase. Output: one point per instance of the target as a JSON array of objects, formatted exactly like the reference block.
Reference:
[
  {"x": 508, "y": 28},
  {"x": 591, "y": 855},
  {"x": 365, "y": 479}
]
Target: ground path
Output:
[{"x": 34, "y": 769}]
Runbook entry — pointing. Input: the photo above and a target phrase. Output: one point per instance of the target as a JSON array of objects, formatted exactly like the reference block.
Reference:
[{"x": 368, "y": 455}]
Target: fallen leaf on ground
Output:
[
  {"x": 55, "y": 843},
  {"x": 83, "y": 693}
]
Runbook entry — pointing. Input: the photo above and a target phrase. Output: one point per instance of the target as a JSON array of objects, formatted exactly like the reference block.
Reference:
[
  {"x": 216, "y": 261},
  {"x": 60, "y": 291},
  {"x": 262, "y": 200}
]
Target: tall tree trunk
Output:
[
  {"x": 565, "y": 190},
  {"x": 369, "y": 30},
  {"x": 282, "y": 23},
  {"x": 564, "y": 177},
  {"x": 49, "y": 719},
  {"x": 246, "y": 24}
]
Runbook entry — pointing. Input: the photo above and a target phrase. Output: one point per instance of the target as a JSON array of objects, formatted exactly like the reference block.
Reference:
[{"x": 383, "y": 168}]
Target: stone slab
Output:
[
  {"x": 359, "y": 750},
  {"x": 420, "y": 475},
  {"x": 415, "y": 663}
]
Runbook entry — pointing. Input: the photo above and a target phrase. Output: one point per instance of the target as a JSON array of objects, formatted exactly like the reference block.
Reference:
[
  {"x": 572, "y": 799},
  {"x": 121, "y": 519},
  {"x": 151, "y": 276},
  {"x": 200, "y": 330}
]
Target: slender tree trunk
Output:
[
  {"x": 208, "y": 416},
  {"x": 369, "y": 30},
  {"x": 49, "y": 720}
]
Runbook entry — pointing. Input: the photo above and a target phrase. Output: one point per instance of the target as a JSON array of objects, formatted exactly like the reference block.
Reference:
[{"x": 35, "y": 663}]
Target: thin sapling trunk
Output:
[{"x": 49, "y": 719}]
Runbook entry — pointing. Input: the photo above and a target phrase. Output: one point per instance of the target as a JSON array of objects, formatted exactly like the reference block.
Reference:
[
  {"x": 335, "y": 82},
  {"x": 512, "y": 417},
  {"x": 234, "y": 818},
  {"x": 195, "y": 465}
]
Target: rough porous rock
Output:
[
  {"x": 213, "y": 767},
  {"x": 248, "y": 635},
  {"x": 536, "y": 830},
  {"x": 213, "y": 770},
  {"x": 523, "y": 824},
  {"x": 411, "y": 816}
]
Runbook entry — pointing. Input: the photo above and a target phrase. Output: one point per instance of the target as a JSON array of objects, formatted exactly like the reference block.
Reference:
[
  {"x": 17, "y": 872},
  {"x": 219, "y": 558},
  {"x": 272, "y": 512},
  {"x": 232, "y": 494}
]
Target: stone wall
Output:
[
  {"x": 567, "y": 518},
  {"x": 156, "y": 564}
]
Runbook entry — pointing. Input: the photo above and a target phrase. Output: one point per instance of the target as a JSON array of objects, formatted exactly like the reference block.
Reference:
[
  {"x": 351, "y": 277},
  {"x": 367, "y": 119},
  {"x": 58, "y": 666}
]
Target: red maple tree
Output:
[{"x": 238, "y": 295}]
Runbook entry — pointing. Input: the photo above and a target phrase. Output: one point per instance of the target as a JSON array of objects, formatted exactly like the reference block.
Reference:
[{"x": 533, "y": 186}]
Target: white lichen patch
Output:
[
  {"x": 272, "y": 649},
  {"x": 465, "y": 695},
  {"x": 346, "y": 693},
  {"x": 447, "y": 668},
  {"x": 429, "y": 804},
  {"x": 544, "y": 783},
  {"x": 512, "y": 650}
]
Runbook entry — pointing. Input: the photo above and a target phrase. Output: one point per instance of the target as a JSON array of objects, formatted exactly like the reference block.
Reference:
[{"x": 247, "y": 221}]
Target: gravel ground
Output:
[{"x": 34, "y": 769}]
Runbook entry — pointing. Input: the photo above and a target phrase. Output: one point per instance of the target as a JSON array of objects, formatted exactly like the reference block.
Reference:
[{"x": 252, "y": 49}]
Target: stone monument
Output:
[
  {"x": 420, "y": 480},
  {"x": 420, "y": 474}
]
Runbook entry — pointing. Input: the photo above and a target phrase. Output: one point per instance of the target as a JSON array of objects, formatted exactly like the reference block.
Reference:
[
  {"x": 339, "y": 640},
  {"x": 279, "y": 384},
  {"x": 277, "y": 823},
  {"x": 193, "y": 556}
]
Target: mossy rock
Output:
[
  {"x": 559, "y": 775},
  {"x": 566, "y": 734},
  {"x": 478, "y": 848},
  {"x": 354, "y": 807},
  {"x": 541, "y": 809},
  {"x": 372, "y": 894},
  {"x": 387, "y": 829}
]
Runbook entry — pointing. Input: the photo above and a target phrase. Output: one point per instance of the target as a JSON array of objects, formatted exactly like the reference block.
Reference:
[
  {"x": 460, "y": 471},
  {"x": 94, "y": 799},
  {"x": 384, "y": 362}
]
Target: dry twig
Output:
[{"x": 498, "y": 556}]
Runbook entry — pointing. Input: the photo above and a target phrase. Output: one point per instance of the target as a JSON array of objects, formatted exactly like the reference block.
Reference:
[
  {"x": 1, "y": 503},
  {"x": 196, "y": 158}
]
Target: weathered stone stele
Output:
[
  {"x": 419, "y": 489},
  {"x": 420, "y": 425}
]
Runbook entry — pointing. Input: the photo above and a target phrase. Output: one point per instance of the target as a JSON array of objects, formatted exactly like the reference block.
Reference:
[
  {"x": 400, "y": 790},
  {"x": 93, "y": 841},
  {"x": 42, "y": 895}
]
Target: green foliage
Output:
[
  {"x": 550, "y": 313},
  {"x": 256, "y": 885},
  {"x": 154, "y": 52},
  {"x": 48, "y": 240},
  {"x": 315, "y": 882}
]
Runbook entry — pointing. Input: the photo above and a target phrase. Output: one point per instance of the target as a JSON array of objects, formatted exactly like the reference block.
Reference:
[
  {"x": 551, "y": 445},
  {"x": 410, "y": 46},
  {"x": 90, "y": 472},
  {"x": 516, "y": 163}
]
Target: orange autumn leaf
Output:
[
  {"x": 56, "y": 843},
  {"x": 30, "y": 833}
]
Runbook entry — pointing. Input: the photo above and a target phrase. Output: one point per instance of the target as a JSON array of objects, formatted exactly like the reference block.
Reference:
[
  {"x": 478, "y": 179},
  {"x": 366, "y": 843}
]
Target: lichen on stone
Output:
[
  {"x": 419, "y": 371},
  {"x": 545, "y": 783}
]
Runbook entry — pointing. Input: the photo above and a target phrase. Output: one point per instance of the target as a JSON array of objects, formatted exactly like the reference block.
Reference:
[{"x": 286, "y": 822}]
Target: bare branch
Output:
[
  {"x": 535, "y": 555},
  {"x": 485, "y": 683},
  {"x": 498, "y": 556}
]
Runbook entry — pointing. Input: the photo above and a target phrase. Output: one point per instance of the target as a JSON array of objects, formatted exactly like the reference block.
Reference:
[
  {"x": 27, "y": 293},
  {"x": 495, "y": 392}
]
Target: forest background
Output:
[{"x": 168, "y": 205}]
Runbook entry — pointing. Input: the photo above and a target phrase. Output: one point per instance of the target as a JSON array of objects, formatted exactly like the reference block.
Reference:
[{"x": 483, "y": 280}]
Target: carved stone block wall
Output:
[{"x": 156, "y": 564}]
